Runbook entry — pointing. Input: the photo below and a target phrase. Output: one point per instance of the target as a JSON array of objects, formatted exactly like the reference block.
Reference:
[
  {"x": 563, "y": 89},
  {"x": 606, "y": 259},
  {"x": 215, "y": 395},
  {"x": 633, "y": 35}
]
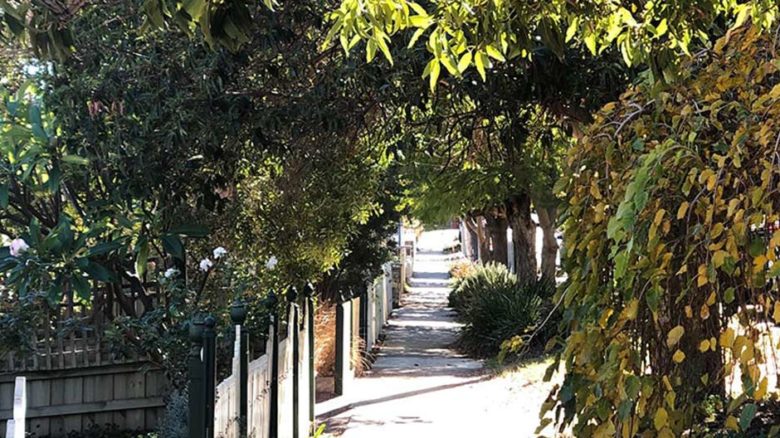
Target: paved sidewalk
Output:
[
  {"x": 420, "y": 387},
  {"x": 409, "y": 391}
]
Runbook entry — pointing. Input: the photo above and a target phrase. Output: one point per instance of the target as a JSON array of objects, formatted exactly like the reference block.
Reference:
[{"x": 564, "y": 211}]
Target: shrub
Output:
[
  {"x": 494, "y": 307},
  {"x": 461, "y": 269},
  {"x": 174, "y": 422},
  {"x": 480, "y": 278}
]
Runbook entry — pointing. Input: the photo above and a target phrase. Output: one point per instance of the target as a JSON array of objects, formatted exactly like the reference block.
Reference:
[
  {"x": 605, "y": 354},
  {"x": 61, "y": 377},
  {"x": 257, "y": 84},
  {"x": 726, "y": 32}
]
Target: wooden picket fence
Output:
[
  {"x": 75, "y": 379},
  {"x": 272, "y": 396},
  {"x": 269, "y": 396},
  {"x": 15, "y": 427}
]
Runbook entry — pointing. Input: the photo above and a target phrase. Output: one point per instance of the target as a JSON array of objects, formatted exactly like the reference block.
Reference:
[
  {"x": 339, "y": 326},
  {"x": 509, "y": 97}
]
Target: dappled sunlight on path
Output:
[{"x": 420, "y": 386}]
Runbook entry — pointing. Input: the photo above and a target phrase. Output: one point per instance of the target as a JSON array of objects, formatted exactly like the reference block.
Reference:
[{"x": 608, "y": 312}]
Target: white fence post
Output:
[
  {"x": 20, "y": 408},
  {"x": 238, "y": 393}
]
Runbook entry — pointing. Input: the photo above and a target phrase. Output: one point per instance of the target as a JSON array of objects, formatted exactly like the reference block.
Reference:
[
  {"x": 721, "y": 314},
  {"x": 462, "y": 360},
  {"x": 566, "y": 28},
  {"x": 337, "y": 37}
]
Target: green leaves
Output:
[
  {"x": 747, "y": 415},
  {"x": 172, "y": 245},
  {"x": 190, "y": 230},
  {"x": 480, "y": 62},
  {"x": 432, "y": 71},
  {"x": 142, "y": 257},
  {"x": 641, "y": 34}
]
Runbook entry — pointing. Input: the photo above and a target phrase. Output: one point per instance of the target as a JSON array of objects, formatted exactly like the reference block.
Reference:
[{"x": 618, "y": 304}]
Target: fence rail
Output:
[
  {"x": 270, "y": 396},
  {"x": 70, "y": 401}
]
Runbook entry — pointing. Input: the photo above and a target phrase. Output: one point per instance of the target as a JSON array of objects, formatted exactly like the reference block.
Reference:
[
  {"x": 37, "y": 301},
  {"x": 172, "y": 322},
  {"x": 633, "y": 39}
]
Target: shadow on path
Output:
[
  {"x": 417, "y": 384},
  {"x": 402, "y": 395}
]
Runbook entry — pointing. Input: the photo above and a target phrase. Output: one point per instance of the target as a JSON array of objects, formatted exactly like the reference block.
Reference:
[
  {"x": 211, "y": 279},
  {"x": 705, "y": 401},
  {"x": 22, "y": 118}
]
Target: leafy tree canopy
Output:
[
  {"x": 476, "y": 34},
  {"x": 149, "y": 137}
]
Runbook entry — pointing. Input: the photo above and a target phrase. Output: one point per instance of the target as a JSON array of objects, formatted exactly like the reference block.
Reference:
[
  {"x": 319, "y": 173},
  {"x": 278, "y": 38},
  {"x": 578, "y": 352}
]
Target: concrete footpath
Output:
[
  {"x": 417, "y": 375},
  {"x": 420, "y": 387}
]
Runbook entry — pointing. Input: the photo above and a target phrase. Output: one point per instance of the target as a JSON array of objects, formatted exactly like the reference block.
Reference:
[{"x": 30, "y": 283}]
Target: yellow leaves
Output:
[
  {"x": 732, "y": 424},
  {"x": 594, "y": 190},
  {"x": 667, "y": 383},
  {"x": 775, "y": 93},
  {"x": 774, "y": 242},
  {"x": 674, "y": 335},
  {"x": 761, "y": 391},
  {"x": 605, "y": 317},
  {"x": 704, "y": 312},
  {"x": 712, "y": 214},
  {"x": 701, "y": 276},
  {"x": 733, "y": 204},
  {"x": 716, "y": 230},
  {"x": 631, "y": 309},
  {"x": 719, "y": 258},
  {"x": 605, "y": 430},
  {"x": 717, "y": 245},
  {"x": 776, "y": 312},
  {"x": 707, "y": 176},
  {"x": 599, "y": 210},
  {"x": 661, "y": 418},
  {"x": 727, "y": 338},
  {"x": 659, "y": 216},
  {"x": 759, "y": 262},
  {"x": 748, "y": 354},
  {"x": 670, "y": 398},
  {"x": 629, "y": 428},
  {"x": 711, "y": 182},
  {"x": 682, "y": 210}
]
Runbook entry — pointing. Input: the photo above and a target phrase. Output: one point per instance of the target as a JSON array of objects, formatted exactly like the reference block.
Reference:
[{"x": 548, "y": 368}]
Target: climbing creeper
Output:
[{"x": 672, "y": 241}]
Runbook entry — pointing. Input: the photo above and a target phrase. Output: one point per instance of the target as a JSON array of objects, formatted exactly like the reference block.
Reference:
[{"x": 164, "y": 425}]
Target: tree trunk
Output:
[
  {"x": 497, "y": 226},
  {"x": 523, "y": 236},
  {"x": 483, "y": 241},
  {"x": 547, "y": 222},
  {"x": 470, "y": 238}
]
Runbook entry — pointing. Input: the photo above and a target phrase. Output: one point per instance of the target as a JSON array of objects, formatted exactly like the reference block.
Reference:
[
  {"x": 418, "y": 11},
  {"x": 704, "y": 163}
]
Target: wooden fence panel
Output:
[
  {"x": 303, "y": 373},
  {"x": 286, "y": 382},
  {"x": 63, "y": 401},
  {"x": 225, "y": 409},
  {"x": 259, "y": 401}
]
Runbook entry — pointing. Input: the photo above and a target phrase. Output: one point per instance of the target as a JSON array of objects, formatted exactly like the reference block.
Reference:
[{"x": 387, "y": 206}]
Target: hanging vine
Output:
[{"x": 672, "y": 243}]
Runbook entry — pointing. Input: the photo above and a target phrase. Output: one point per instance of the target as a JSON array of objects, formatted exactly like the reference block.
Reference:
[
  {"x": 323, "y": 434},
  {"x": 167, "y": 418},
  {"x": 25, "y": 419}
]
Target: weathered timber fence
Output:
[
  {"x": 72, "y": 387},
  {"x": 128, "y": 395},
  {"x": 15, "y": 427},
  {"x": 76, "y": 378}
]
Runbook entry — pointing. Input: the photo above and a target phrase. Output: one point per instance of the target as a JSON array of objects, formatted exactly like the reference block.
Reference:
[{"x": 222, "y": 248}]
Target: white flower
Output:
[
  {"x": 171, "y": 272},
  {"x": 271, "y": 263},
  {"x": 206, "y": 264},
  {"x": 219, "y": 252},
  {"x": 17, "y": 247}
]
